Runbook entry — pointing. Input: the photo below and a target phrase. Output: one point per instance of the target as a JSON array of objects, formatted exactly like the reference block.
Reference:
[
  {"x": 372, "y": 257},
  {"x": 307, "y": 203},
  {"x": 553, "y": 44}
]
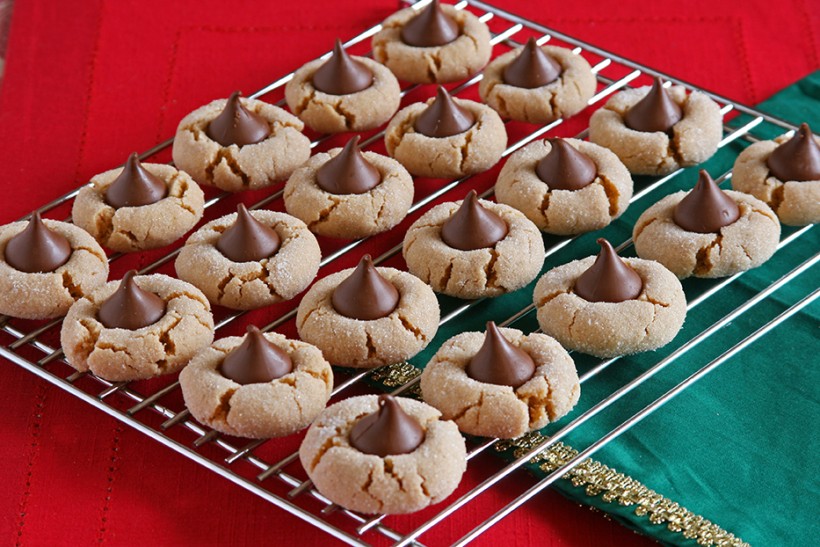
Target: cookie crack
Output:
[
  {"x": 68, "y": 284},
  {"x": 612, "y": 194},
  {"x": 89, "y": 342},
  {"x": 641, "y": 227},
  {"x": 549, "y": 297},
  {"x": 223, "y": 407},
  {"x": 489, "y": 270},
  {"x": 368, "y": 484},
  {"x": 225, "y": 154},
  {"x": 465, "y": 148},
  {"x": 388, "y": 468},
  {"x": 371, "y": 348},
  {"x": 445, "y": 278},
  {"x": 538, "y": 406},
  {"x": 572, "y": 322},
  {"x": 168, "y": 344},
  {"x": 703, "y": 260},
  {"x": 410, "y": 327},
  {"x": 330, "y": 442},
  {"x": 349, "y": 117},
  {"x": 777, "y": 197},
  {"x": 545, "y": 205},
  {"x": 477, "y": 405},
  {"x": 326, "y": 212}
]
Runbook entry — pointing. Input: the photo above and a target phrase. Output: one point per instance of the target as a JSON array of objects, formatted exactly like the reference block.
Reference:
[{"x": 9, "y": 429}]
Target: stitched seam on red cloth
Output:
[
  {"x": 39, "y": 407},
  {"x": 740, "y": 36},
  {"x": 166, "y": 95},
  {"x": 113, "y": 468},
  {"x": 646, "y": 19},
  {"x": 810, "y": 30},
  {"x": 218, "y": 28}
]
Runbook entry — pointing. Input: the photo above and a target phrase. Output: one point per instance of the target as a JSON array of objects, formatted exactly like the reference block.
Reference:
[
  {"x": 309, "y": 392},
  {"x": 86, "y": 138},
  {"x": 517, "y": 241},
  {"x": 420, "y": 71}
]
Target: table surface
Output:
[{"x": 87, "y": 82}]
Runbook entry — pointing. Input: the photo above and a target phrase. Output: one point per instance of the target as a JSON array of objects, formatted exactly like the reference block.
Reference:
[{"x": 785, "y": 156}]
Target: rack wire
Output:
[{"x": 280, "y": 480}]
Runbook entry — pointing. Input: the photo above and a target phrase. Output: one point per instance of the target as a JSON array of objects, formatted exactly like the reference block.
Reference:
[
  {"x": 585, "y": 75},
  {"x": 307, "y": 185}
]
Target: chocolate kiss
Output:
[
  {"x": 473, "y": 226},
  {"x": 247, "y": 239},
  {"x": 499, "y": 362},
  {"x": 609, "y": 279},
  {"x": 796, "y": 159},
  {"x": 531, "y": 68},
  {"x": 37, "y": 248},
  {"x": 131, "y": 307},
  {"x": 348, "y": 172},
  {"x": 340, "y": 74},
  {"x": 135, "y": 186},
  {"x": 431, "y": 27},
  {"x": 655, "y": 112},
  {"x": 443, "y": 117},
  {"x": 255, "y": 360},
  {"x": 388, "y": 431},
  {"x": 706, "y": 208},
  {"x": 365, "y": 294},
  {"x": 237, "y": 125},
  {"x": 565, "y": 168}
]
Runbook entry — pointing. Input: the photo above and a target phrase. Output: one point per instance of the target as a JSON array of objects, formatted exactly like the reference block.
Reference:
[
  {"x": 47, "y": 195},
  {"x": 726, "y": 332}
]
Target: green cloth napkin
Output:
[{"x": 737, "y": 448}]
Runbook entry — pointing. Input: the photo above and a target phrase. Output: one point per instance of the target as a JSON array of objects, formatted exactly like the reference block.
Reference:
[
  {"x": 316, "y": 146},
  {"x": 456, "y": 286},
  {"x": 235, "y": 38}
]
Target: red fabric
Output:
[{"x": 88, "y": 82}]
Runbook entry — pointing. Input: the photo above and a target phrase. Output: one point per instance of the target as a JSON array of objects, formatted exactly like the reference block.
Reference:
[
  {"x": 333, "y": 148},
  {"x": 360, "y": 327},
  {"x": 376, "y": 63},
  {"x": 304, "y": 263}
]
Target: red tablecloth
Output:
[{"x": 88, "y": 82}]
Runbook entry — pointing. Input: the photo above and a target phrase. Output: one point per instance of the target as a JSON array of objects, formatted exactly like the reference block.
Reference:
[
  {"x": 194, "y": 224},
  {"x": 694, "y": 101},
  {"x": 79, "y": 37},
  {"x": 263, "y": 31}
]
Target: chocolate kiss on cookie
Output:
[
  {"x": 135, "y": 186},
  {"x": 131, "y": 307},
  {"x": 37, "y": 248},
  {"x": 473, "y": 226},
  {"x": 532, "y": 68},
  {"x": 388, "y": 431},
  {"x": 443, "y": 117},
  {"x": 796, "y": 159},
  {"x": 247, "y": 239},
  {"x": 341, "y": 75},
  {"x": 431, "y": 27},
  {"x": 237, "y": 125},
  {"x": 365, "y": 294},
  {"x": 655, "y": 112},
  {"x": 255, "y": 360},
  {"x": 706, "y": 208},
  {"x": 565, "y": 168},
  {"x": 609, "y": 279},
  {"x": 348, "y": 172},
  {"x": 499, "y": 362}
]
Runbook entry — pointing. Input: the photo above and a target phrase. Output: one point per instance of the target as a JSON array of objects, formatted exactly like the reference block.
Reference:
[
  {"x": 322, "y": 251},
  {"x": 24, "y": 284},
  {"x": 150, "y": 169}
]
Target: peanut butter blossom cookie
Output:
[
  {"x": 349, "y": 194},
  {"x": 343, "y": 93},
  {"x": 538, "y": 84},
  {"x": 240, "y": 144},
  {"x": 46, "y": 265},
  {"x": 501, "y": 383},
  {"x": 707, "y": 232},
  {"x": 446, "y": 137},
  {"x": 366, "y": 317},
  {"x": 565, "y": 186},
  {"x": 248, "y": 260},
  {"x": 383, "y": 455},
  {"x": 257, "y": 386},
  {"x": 140, "y": 206},
  {"x": 438, "y": 44},
  {"x": 785, "y": 173},
  {"x": 474, "y": 248},
  {"x": 608, "y": 306},
  {"x": 136, "y": 328},
  {"x": 656, "y": 131}
]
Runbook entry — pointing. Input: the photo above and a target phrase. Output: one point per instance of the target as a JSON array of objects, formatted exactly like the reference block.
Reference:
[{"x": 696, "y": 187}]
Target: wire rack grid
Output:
[{"x": 153, "y": 407}]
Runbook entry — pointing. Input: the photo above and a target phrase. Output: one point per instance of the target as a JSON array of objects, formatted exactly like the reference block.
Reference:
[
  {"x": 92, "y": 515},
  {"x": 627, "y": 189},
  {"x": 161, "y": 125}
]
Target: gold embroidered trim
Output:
[
  {"x": 615, "y": 487},
  {"x": 397, "y": 375}
]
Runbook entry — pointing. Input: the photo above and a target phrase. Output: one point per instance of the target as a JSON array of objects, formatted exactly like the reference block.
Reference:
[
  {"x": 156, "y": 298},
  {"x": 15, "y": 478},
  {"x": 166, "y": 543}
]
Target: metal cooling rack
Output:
[{"x": 280, "y": 482}]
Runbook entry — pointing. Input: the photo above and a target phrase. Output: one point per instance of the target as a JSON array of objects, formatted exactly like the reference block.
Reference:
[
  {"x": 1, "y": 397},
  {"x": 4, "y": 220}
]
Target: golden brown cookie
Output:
[
  {"x": 250, "y": 284},
  {"x": 128, "y": 228},
  {"x": 248, "y": 167},
  {"x": 257, "y": 410},
  {"x": 369, "y": 483},
  {"x": 564, "y": 211},
  {"x": 119, "y": 354},
  {"x": 42, "y": 293},
  {"x": 450, "y": 62},
  {"x": 504, "y": 411}
]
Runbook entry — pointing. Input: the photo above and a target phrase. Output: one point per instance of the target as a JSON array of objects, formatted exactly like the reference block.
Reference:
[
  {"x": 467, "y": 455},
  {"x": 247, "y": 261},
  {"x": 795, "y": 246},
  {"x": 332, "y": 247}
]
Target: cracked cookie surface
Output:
[
  {"x": 694, "y": 139},
  {"x": 350, "y": 215},
  {"x": 796, "y": 203},
  {"x": 509, "y": 265},
  {"x": 745, "y": 244},
  {"x": 451, "y": 62},
  {"x": 129, "y": 229},
  {"x": 562, "y": 98},
  {"x": 394, "y": 484},
  {"x": 121, "y": 354},
  {"x": 236, "y": 168},
  {"x": 359, "y": 111},
  {"x": 250, "y": 285},
  {"x": 469, "y": 152},
  {"x": 271, "y": 409},
  {"x": 610, "y": 329},
  {"x": 565, "y": 212},
  {"x": 50, "y": 294},
  {"x": 491, "y": 410},
  {"x": 366, "y": 344}
]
